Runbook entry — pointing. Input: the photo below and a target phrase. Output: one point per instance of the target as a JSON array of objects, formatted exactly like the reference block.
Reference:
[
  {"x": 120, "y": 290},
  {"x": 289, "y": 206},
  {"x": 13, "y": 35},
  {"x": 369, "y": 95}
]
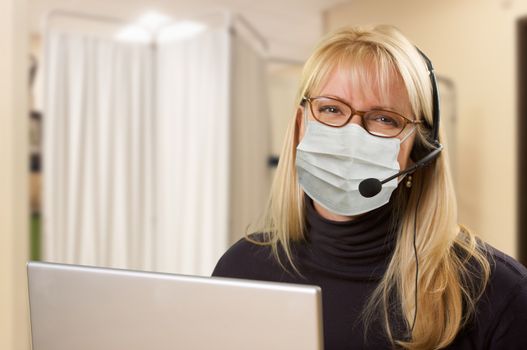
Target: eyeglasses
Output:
[{"x": 336, "y": 113}]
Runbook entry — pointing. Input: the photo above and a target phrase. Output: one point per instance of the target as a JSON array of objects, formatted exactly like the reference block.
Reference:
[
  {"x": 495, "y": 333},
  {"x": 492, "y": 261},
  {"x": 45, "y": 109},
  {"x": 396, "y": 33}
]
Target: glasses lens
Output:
[
  {"x": 330, "y": 111},
  {"x": 383, "y": 123}
]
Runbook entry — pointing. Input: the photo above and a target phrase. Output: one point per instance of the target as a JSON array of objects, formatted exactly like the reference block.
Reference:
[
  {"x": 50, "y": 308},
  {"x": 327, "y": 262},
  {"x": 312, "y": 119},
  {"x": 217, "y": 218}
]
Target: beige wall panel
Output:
[{"x": 14, "y": 324}]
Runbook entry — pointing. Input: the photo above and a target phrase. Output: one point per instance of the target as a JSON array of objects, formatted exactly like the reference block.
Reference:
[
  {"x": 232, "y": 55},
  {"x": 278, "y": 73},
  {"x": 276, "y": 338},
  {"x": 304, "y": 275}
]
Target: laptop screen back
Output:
[{"x": 75, "y": 307}]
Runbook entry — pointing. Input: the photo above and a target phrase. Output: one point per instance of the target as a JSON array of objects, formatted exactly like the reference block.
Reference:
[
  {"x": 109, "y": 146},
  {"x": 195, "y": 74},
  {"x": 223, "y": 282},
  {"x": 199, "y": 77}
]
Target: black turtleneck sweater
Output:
[{"x": 347, "y": 260}]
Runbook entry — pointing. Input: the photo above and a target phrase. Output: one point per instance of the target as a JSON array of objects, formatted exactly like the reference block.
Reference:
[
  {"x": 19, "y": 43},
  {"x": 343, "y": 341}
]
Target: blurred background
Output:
[{"x": 144, "y": 134}]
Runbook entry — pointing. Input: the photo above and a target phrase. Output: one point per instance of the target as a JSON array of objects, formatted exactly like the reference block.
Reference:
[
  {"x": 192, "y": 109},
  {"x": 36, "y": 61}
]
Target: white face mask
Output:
[{"x": 331, "y": 162}]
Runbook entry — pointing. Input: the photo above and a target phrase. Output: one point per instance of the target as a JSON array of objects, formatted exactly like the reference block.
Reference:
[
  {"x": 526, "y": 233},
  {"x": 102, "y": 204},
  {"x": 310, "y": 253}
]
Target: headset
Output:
[{"x": 371, "y": 187}]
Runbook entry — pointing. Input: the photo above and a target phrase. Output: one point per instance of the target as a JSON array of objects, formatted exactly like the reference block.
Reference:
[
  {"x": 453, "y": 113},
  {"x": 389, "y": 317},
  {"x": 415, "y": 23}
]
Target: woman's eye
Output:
[
  {"x": 386, "y": 120},
  {"x": 329, "y": 109}
]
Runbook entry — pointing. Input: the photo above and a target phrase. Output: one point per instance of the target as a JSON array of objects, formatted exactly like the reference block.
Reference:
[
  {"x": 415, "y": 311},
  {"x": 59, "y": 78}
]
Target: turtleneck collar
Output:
[{"x": 356, "y": 249}]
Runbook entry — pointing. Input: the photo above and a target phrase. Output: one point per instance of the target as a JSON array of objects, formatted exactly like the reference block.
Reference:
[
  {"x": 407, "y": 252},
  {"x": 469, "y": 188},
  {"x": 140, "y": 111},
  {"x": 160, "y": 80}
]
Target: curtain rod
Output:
[
  {"x": 114, "y": 20},
  {"x": 83, "y": 15}
]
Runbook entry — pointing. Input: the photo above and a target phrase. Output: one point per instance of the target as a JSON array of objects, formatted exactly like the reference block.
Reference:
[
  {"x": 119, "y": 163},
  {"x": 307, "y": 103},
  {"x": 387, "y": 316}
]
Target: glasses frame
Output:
[{"x": 359, "y": 113}]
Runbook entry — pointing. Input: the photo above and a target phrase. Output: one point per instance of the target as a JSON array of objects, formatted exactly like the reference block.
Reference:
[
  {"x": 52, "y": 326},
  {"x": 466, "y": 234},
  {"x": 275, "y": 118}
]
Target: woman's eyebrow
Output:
[
  {"x": 386, "y": 108},
  {"x": 336, "y": 97}
]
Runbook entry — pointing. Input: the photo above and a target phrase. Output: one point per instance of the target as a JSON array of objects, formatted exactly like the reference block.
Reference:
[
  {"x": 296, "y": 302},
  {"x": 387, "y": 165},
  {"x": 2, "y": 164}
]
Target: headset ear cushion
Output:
[
  {"x": 420, "y": 149},
  {"x": 427, "y": 125}
]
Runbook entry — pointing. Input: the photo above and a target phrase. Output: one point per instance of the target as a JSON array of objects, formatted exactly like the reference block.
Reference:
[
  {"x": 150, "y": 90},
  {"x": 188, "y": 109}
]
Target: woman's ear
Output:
[{"x": 299, "y": 134}]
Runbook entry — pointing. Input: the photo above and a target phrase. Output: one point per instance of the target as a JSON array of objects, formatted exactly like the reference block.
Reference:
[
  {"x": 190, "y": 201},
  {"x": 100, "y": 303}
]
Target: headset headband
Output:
[{"x": 435, "y": 97}]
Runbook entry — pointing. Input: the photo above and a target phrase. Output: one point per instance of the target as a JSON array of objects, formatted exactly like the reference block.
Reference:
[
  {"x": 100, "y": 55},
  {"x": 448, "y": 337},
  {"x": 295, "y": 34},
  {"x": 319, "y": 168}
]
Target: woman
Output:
[{"x": 395, "y": 260}]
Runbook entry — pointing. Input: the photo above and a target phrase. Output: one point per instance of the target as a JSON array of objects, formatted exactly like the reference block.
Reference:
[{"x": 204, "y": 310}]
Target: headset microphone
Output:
[{"x": 371, "y": 187}]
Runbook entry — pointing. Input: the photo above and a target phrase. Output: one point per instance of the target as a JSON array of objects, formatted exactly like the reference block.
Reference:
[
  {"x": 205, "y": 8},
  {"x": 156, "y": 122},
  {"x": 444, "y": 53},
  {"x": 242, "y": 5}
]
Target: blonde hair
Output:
[{"x": 453, "y": 266}]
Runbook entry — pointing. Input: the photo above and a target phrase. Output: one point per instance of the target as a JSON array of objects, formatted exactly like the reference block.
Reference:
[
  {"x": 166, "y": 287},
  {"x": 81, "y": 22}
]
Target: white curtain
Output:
[
  {"x": 154, "y": 156},
  {"x": 193, "y": 130},
  {"x": 98, "y": 152}
]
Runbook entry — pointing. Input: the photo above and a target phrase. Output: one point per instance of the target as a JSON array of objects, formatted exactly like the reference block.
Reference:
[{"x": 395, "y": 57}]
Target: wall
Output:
[
  {"x": 473, "y": 43},
  {"x": 14, "y": 330}
]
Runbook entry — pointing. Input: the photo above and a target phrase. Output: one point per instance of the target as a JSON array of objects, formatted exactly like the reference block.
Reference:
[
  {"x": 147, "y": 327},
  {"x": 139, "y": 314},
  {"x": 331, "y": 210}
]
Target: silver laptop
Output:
[{"x": 87, "y": 308}]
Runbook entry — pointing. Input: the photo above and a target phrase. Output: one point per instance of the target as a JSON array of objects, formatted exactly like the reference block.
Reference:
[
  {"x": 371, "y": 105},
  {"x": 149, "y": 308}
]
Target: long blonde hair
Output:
[{"x": 453, "y": 266}]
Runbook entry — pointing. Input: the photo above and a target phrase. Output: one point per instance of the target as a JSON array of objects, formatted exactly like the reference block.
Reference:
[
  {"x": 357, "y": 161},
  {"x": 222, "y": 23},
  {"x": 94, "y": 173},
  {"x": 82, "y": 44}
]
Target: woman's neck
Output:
[{"x": 326, "y": 214}]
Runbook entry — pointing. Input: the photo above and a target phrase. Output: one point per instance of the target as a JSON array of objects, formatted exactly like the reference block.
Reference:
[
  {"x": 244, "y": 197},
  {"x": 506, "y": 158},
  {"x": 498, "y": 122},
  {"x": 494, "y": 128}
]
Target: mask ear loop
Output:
[
  {"x": 402, "y": 140},
  {"x": 408, "y": 134}
]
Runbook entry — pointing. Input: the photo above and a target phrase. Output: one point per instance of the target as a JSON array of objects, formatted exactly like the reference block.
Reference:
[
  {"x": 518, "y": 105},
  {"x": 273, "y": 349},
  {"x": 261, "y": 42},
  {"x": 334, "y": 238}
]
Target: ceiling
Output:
[{"x": 291, "y": 27}]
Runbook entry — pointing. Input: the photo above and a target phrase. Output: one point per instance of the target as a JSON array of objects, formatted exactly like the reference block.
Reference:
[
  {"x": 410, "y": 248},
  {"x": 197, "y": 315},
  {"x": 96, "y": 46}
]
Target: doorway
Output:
[{"x": 522, "y": 139}]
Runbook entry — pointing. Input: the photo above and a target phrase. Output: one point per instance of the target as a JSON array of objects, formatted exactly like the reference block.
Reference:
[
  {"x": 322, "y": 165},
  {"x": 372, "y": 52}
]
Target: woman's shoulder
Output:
[
  {"x": 250, "y": 257},
  {"x": 507, "y": 273},
  {"x": 504, "y": 302},
  {"x": 500, "y": 318}
]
